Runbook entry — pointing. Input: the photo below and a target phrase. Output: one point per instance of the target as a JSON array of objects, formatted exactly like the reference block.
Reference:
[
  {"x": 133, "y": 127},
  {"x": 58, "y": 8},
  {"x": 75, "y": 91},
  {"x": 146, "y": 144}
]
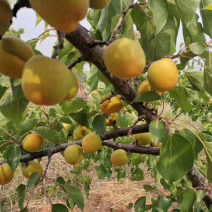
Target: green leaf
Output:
[
  {"x": 158, "y": 130},
  {"x": 103, "y": 171},
  {"x": 75, "y": 194},
  {"x": 21, "y": 191},
  {"x": 159, "y": 10},
  {"x": 60, "y": 180},
  {"x": 49, "y": 134},
  {"x": 187, "y": 9},
  {"x": 163, "y": 204},
  {"x": 208, "y": 79},
  {"x": 99, "y": 124},
  {"x": 188, "y": 200},
  {"x": 178, "y": 93},
  {"x": 148, "y": 97},
  {"x": 59, "y": 208},
  {"x": 176, "y": 158},
  {"x": 28, "y": 125},
  {"x": 155, "y": 46},
  {"x": 2, "y": 90},
  {"x": 196, "y": 79},
  {"x": 136, "y": 159},
  {"x": 13, "y": 108},
  {"x": 87, "y": 184},
  {"x": 137, "y": 173},
  {"x": 140, "y": 204},
  {"x": 121, "y": 173},
  {"x": 81, "y": 118},
  {"x": 209, "y": 7},
  {"x": 74, "y": 105},
  {"x": 197, "y": 48},
  {"x": 193, "y": 139},
  {"x": 33, "y": 180},
  {"x": 149, "y": 188},
  {"x": 193, "y": 32},
  {"x": 206, "y": 17},
  {"x": 13, "y": 156}
]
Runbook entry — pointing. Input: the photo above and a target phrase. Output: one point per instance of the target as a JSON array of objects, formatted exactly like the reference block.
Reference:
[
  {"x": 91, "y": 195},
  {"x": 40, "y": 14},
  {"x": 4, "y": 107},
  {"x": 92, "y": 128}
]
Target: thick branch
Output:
[{"x": 199, "y": 181}]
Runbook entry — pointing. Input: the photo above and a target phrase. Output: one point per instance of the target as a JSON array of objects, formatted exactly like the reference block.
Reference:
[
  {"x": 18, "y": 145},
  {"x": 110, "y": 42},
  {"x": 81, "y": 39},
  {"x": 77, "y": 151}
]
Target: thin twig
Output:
[
  {"x": 60, "y": 45},
  {"x": 78, "y": 60}
]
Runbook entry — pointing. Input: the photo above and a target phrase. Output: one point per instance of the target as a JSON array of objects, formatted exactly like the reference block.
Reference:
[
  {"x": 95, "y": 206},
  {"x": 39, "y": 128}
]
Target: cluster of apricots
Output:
[
  {"x": 17, "y": 60},
  {"x": 125, "y": 59}
]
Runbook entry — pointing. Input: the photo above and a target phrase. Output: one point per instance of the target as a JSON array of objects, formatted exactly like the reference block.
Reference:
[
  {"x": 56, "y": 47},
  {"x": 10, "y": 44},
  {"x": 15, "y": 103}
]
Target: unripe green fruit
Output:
[
  {"x": 119, "y": 157},
  {"x": 91, "y": 143},
  {"x": 31, "y": 168},
  {"x": 73, "y": 154}
]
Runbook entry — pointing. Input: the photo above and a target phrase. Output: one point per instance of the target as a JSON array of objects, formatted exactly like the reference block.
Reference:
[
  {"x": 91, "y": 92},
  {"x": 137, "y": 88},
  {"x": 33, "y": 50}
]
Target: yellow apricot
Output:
[
  {"x": 5, "y": 16},
  {"x": 119, "y": 157},
  {"x": 14, "y": 53},
  {"x": 32, "y": 142},
  {"x": 73, "y": 87},
  {"x": 67, "y": 127},
  {"x": 99, "y": 4},
  {"x": 125, "y": 58},
  {"x": 80, "y": 132},
  {"x": 112, "y": 105},
  {"x": 113, "y": 119},
  {"x": 45, "y": 81},
  {"x": 63, "y": 15},
  {"x": 144, "y": 87},
  {"x": 73, "y": 154},
  {"x": 91, "y": 143},
  {"x": 163, "y": 75},
  {"x": 31, "y": 168},
  {"x": 143, "y": 138},
  {"x": 6, "y": 174}
]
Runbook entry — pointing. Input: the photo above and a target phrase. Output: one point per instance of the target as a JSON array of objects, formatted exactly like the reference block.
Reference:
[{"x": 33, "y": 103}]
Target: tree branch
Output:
[
  {"x": 78, "y": 60},
  {"x": 198, "y": 180},
  {"x": 59, "y": 45},
  {"x": 19, "y": 5}
]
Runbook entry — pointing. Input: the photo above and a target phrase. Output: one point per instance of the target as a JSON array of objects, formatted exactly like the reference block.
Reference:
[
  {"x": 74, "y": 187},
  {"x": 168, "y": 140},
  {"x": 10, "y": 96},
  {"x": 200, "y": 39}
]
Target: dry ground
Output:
[{"x": 105, "y": 196}]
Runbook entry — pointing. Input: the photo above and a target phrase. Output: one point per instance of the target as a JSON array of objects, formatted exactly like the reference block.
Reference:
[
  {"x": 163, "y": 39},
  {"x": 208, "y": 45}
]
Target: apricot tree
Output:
[{"x": 135, "y": 71}]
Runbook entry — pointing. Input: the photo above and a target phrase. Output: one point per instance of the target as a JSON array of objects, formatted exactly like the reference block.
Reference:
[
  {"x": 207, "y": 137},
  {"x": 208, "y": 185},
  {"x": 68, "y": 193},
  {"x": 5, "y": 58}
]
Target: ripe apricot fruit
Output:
[
  {"x": 163, "y": 75},
  {"x": 144, "y": 87},
  {"x": 73, "y": 89},
  {"x": 73, "y": 154},
  {"x": 6, "y": 15},
  {"x": 63, "y": 15},
  {"x": 119, "y": 157},
  {"x": 91, "y": 143},
  {"x": 143, "y": 138},
  {"x": 14, "y": 53},
  {"x": 32, "y": 142},
  {"x": 99, "y": 4},
  {"x": 80, "y": 132},
  {"x": 125, "y": 58},
  {"x": 111, "y": 104},
  {"x": 45, "y": 81},
  {"x": 31, "y": 168},
  {"x": 6, "y": 174},
  {"x": 113, "y": 119}
]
